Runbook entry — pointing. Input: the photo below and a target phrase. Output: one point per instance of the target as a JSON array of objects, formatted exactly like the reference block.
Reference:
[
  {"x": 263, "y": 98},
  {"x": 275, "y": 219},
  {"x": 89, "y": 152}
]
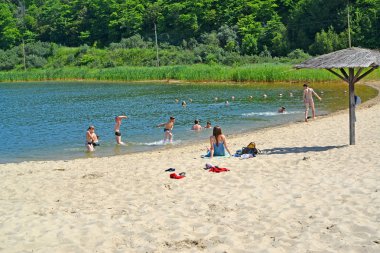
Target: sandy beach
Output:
[{"x": 308, "y": 192}]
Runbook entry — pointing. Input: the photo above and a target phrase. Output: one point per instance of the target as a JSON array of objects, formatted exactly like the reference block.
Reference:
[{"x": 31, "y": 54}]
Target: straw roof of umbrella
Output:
[
  {"x": 350, "y": 59},
  {"x": 353, "y": 57}
]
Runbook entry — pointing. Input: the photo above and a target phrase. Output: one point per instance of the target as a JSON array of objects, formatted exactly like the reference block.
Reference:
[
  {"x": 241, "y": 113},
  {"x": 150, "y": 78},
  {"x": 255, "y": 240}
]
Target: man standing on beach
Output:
[
  {"x": 308, "y": 100},
  {"x": 117, "y": 129}
]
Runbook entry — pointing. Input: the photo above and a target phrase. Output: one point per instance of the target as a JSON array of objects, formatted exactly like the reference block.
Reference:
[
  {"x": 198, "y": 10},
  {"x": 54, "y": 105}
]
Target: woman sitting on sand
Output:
[{"x": 218, "y": 143}]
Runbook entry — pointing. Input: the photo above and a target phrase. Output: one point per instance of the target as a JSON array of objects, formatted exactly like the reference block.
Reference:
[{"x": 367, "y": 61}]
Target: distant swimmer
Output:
[
  {"x": 117, "y": 128},
  {"x": 176, "y": 100},
  {"x": 91, "y": 139},
  {"x": 280, "y": 95},
  {"x": 196, "y": 126},
  {"x": 291, "y": 94},
  {"x": 184, "y": 103},
  {"x": 281, "y": 109},
  {"x": 308, "y": 100},
  {"x": 208, "y": 124},
  {"x": 233, "y": 98},
  {"x": 227, "y": 103},
  {"x": 250, "y": 97},
  {"x": 168, "y": 127},
  {"x": 190, "y": 100},
  {"x": 265, "y": 96},
  {"x": 216, "y": 98}
]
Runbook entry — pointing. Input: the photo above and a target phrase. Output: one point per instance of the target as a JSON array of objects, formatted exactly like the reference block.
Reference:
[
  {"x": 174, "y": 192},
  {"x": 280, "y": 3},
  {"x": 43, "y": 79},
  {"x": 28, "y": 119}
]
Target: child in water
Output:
[{"x": 168, "y": 127}]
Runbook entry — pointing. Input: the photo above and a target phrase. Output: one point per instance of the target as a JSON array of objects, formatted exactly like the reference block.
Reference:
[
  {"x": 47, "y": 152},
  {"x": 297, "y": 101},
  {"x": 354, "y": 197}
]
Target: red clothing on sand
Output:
[{"x": 218, "y": 170}]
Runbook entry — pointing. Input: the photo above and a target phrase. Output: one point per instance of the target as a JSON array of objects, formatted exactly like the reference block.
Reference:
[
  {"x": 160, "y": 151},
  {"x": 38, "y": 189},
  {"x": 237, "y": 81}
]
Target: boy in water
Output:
[
  {"x": 91, "y": 139},
  {"x": 196, "y": 126},
  {"x": 117, "y": 129},
  {"x": 281, "y": 109},
  {"x": 168, "y": 127},
  {"x": 308, "y": 100}
]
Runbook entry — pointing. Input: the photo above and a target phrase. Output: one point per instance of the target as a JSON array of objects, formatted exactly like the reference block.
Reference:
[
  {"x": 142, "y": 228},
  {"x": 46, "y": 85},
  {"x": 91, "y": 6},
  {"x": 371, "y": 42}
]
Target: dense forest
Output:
[{"x": 110, "y": 33}]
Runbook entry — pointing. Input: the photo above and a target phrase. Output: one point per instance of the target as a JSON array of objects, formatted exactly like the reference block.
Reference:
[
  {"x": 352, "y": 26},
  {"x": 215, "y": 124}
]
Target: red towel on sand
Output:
[
  {"x": 175, "y": 176},
  {"x": 217, "y": 170}
]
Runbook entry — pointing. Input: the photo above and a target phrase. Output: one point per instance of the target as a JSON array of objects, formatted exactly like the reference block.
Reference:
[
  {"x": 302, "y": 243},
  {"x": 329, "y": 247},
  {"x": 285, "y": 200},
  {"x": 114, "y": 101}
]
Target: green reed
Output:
[{"x": 194, "y": 73}]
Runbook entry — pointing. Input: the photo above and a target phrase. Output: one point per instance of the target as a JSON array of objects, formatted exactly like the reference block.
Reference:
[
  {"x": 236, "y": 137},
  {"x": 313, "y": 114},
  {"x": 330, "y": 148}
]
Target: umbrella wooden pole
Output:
[{"x": 351, "y": 84}]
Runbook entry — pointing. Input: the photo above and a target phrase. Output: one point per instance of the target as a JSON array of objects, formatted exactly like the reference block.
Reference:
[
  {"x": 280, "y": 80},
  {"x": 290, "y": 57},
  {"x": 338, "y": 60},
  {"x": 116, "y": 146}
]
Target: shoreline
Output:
[
  {"x": 190, "y": 143},
  {"x": 194, "y": 142},
  {"x": 308, "y": 192}
]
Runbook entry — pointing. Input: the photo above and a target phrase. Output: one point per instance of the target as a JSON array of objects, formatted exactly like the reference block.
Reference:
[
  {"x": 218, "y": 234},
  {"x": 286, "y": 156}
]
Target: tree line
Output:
[{"x": 206, "y": 30}]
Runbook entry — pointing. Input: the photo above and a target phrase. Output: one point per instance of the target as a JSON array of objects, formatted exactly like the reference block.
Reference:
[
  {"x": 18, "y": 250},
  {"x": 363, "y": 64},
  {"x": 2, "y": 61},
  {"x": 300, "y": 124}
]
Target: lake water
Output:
[{"x": 48, "y": 120}]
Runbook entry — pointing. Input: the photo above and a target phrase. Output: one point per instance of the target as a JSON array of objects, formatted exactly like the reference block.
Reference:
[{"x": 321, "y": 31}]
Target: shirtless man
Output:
[
  {"x": 308, "y": 100},
  {"x": 91, "y": 139},
  {"x": 196, "y": 126},
  {"x": 168, "y": 127},
  {"x": 117, "y": 129}
]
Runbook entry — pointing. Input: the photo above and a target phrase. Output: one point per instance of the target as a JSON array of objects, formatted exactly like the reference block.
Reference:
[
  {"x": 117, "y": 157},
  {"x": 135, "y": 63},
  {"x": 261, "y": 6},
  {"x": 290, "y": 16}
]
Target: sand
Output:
[{"x": 308, "y": 192}]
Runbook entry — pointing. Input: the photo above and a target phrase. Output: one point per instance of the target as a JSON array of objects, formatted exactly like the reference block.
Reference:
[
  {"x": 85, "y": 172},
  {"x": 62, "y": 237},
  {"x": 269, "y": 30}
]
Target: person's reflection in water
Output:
[{"x": 117, "y": 150}]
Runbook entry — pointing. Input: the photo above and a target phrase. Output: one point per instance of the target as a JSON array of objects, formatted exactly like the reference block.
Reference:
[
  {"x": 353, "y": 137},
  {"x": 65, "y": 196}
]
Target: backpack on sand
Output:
[{"x": 250, "y": 149}]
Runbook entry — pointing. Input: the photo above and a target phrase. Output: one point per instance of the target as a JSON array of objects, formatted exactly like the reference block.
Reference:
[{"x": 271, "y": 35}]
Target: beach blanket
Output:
[{"x": 216, "y": 156}]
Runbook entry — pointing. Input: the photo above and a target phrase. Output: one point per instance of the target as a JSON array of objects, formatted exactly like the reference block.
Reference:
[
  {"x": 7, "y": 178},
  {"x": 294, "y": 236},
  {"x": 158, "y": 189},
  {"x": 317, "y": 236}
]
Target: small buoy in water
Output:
[
  {"x": 250, "y": 97},
  {"x": 216, "y": 98},
  {"x": 233, "y": 97},
  {"x": 280, "y": 95},
  {"x": 227, "y": 103}
]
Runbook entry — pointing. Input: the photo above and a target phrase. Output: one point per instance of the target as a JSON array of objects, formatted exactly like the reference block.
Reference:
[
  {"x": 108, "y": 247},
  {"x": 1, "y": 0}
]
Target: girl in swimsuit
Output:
[{"x": 218, "y": 143}]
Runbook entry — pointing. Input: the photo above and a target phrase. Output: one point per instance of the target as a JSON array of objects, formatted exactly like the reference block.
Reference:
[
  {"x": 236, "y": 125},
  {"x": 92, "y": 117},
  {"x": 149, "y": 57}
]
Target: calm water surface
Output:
[{"x": 48, "y": 120}]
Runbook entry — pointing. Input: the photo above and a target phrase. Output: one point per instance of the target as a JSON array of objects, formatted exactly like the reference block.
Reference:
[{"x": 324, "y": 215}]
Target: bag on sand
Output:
[{"x": 250, "y": 149}]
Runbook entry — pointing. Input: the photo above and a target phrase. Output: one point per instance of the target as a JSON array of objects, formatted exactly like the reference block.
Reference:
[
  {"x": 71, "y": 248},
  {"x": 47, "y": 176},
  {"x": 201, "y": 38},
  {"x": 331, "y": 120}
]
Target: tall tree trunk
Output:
[{"x": 155, "y": 35}]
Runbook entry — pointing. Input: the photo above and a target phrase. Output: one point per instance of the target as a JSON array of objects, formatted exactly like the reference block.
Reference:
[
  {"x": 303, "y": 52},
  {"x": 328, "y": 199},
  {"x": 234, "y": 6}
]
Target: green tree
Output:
[{"x": 9, "y": 32}]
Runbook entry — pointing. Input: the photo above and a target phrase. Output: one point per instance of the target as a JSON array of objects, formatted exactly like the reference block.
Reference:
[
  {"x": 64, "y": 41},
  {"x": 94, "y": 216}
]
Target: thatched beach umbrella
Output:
[{"x": 363, "y": 60}]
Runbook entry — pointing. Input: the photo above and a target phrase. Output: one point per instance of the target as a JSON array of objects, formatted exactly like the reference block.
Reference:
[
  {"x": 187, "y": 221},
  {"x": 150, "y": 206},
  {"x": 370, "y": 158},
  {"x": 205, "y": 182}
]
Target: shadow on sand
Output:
[{"x": 288, "y": 150}]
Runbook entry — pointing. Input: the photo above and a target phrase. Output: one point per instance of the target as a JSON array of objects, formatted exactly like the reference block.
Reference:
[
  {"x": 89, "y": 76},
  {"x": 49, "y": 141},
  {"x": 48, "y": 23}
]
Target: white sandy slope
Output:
[{"x": 309, "y": 192}]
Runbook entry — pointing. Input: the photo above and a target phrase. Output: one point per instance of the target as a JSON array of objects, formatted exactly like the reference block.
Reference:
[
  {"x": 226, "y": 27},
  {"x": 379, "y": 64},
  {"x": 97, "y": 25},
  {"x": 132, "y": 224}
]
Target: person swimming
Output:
[
  {"x": 208, "y": 124},
  {"x": 281, "y": 109},
  {"x": 196, "y": 126}
]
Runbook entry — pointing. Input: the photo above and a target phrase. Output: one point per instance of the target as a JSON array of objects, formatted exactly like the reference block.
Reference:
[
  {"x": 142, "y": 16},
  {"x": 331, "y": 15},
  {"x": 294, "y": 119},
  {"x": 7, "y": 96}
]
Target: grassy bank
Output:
[{"x": 196, "y": 73}]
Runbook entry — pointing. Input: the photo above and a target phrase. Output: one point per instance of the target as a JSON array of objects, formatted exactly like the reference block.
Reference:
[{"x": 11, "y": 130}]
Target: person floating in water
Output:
[
  {"x": 91, "y": 139},
  {"x": 117, "y": 128},
  {"x": 168, "y": 127},
  {"x": 196, "y": 126},
  {"x": 281, "y": 109},
  {"x": 184, "y": 103},
  {"x": 208, "y": 124},
  {"x": 308, "y": 100}
]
